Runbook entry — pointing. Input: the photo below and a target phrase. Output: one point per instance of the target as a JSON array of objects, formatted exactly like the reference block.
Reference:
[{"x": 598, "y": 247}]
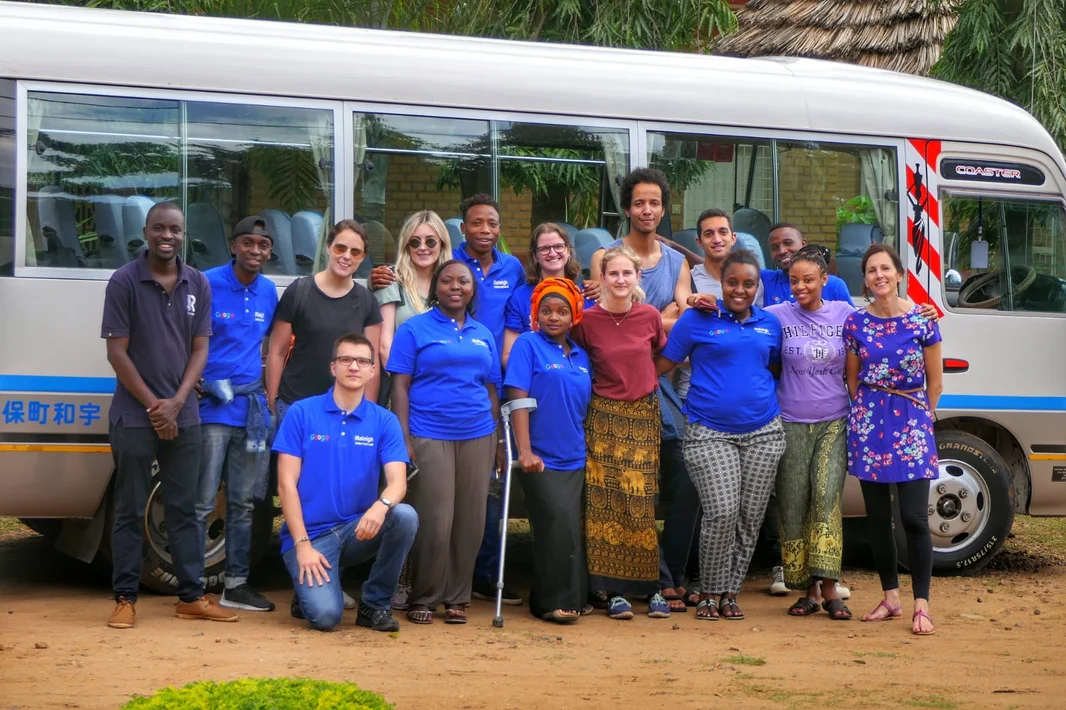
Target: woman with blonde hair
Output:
[
  {"x": 622, "y": 335},
  {"x": 422, "y": 246}
]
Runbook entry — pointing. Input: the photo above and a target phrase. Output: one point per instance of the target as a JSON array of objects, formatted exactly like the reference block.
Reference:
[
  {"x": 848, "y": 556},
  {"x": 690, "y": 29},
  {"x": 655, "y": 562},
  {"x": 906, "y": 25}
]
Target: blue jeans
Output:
[
  {"x": 223, "y": 456},
  {"x": 323, "y": 606},
  {"x": 134, "y": 449},
  {"x": 487, "y": 566}
]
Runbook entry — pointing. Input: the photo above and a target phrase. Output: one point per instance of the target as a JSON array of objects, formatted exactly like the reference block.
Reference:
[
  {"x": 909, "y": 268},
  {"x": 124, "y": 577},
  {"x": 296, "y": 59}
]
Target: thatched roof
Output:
[{"x": 901, "y": 35}]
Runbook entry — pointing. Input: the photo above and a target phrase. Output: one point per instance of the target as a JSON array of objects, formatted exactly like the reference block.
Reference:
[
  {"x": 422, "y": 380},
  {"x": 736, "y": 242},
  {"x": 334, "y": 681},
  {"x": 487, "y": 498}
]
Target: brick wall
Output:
[{"x": 813, "y": 183}]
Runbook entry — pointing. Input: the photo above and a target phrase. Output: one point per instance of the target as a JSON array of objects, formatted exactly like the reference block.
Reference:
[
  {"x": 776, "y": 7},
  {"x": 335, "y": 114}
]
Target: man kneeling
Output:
[{"x": 331, "y": 449}]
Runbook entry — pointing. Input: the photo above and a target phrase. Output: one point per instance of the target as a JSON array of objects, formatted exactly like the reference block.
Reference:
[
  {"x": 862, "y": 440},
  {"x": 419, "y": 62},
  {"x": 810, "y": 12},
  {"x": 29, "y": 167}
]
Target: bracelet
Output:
[{"x": 302, "y": 539}]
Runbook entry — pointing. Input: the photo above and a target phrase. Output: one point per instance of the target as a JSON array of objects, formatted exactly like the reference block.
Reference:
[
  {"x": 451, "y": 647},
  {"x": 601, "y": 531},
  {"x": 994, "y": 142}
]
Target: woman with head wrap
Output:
[{"x": 547, "y": 365}]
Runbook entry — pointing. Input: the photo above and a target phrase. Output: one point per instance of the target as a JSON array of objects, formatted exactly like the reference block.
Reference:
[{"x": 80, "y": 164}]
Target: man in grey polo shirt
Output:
[{"x": 157, "y": 322}]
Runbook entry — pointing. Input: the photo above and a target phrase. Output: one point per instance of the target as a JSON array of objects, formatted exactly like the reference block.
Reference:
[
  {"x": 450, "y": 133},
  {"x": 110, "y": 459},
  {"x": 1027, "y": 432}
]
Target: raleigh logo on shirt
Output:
[
  {"x": 320, "y": 437},
  {"x": 501, "y": 283},
  {"x": 583, "y": 369},
  {"x": 260, "y": 317},
  {"x": 764, "y": 331},
  {"x": 479, "y": 341},
  {"x": 190, "y": 305},
  {"x": 359, "y": 440}
]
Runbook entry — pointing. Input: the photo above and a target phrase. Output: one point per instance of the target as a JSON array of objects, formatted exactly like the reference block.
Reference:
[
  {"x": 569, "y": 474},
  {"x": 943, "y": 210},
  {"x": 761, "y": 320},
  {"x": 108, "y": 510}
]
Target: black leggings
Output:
[{"x": 913, "y": 497}]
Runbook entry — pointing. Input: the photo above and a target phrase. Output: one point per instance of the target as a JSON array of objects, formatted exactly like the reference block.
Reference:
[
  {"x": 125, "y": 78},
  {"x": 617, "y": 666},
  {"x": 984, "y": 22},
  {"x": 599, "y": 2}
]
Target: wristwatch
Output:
[{"x": 386, "y": 502}]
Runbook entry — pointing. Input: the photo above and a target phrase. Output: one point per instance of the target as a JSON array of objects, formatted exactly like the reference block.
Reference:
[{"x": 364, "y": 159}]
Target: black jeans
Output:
[
  {"x": 681, "y": 510},
  {"x": 134, "y": 450},
  {"x": 913, "y": 497}
]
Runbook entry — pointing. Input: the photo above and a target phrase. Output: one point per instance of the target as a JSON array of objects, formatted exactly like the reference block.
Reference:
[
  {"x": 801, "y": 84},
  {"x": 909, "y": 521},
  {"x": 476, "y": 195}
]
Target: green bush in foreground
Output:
[{"x": 262, "y": 694}]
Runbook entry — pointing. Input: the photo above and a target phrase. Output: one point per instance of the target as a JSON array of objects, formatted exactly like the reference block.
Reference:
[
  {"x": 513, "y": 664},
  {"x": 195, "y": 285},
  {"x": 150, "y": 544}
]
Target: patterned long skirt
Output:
[{"x": 621, "y": 482}]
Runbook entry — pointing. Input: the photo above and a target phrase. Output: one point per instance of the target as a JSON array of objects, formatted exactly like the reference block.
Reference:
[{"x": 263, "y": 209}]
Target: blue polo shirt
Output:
[
  {"x": 776, "y": 288},
  {"x": 341, "y": 456},
  {"x": 562, "y": 386},
  {"x": 517, "y": 316},
  {"x": 449, "y": 369},
  {"x": 494, "y": 288},
  {"x": 731, "y": 389},
  {"x": 240, "y": 319}
]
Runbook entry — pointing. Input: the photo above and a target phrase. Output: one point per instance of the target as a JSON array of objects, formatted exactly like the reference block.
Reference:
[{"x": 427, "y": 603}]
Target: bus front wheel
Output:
[{"x": 971, "y": 505}]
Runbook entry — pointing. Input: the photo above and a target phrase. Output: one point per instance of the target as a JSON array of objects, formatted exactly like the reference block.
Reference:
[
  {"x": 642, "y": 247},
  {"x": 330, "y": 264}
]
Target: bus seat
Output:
[
  {"x": 854, "y": 240},
  {"x": 306, "y": 229},
  {"x": 571, "y": 230},
  {"x": 279, "y": 225},
  {"x": 107, "y": 216},
  {"x": 454, "y": 232},
  {"x": 134, "y": 216},
  {"x": 55, "y": 215},
  {"x": 687, "y": 239},
  {"x": 205, "y": 233},
  {"x": 587, "y": 242},
  {"x": 749, "y": 242},
  {"x": 752, "y": 221}
]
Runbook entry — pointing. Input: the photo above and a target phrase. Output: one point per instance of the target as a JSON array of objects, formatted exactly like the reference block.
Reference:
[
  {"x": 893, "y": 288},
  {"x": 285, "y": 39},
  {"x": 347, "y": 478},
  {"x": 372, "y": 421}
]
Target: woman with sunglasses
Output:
[
  {"x": 445, "y": 378},
  {"x": 313, "y": 312},
  {"x": 551, "y": 255}
]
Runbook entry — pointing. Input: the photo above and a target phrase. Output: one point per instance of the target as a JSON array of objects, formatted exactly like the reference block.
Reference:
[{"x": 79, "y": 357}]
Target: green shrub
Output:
[{"x": 262, "y": 694}]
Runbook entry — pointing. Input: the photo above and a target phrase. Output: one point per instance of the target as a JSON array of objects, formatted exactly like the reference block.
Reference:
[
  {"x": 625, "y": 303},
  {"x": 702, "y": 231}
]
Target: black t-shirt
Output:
[{"x": 319, "y": 322}]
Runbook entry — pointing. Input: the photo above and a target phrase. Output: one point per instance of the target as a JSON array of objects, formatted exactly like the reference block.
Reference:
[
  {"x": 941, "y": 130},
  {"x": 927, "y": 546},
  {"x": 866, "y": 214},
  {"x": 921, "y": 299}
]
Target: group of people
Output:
[{"x": 697, "y": 382}]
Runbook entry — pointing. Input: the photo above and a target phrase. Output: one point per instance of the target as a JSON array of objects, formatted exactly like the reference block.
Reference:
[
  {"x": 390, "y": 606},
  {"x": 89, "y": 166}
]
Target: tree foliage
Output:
[{"x": 1015, "y": 49}]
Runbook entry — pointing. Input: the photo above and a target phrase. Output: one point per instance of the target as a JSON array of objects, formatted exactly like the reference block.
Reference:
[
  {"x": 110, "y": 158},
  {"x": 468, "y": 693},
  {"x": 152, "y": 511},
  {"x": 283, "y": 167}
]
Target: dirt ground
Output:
[{"x": 1001, "y": 639}]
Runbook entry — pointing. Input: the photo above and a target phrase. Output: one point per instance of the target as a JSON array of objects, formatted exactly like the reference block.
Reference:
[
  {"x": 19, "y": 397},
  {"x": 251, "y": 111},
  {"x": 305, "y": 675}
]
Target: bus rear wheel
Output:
[{"x": 971, "y": 505}]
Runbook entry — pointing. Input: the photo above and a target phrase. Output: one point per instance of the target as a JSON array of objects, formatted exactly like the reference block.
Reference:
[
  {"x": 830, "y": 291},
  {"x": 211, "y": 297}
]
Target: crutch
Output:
[{"x": 505, "y": 411}]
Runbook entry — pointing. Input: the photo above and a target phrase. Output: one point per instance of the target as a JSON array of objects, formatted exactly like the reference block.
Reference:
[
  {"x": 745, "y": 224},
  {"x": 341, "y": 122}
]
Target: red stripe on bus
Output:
[
  {"x": 917, "y": 293},
  {"x": 929, "y": 255}
]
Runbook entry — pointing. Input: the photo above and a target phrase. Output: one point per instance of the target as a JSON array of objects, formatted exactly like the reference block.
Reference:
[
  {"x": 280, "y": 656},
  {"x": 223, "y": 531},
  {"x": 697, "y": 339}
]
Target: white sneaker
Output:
[
  {"x": 843, "y": 591},
  {"x": 349, "y": 603},
  {"x": 777, "y": 583}
]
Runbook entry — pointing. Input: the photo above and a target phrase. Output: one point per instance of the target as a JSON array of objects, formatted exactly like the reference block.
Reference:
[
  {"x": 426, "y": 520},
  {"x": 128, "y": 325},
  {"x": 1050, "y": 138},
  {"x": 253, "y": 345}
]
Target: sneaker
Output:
[
  {"x": 376, "y": 619},
  {"x": 204, "y": 608},
  {"x": 399, "y": 599},
  {"x": 349, "y": 603},
  {"x": 124, "y": 616},
  {"x": 843, "y": 591},
  {"x": 246, "y": 598},
  {"x": 619, "y": 608},
  {"x": 486, "y": 591},
  {"x": 657, "y": 607},
  {"x": 294, "y": 608},
  {"x": 777, "y": 583}
]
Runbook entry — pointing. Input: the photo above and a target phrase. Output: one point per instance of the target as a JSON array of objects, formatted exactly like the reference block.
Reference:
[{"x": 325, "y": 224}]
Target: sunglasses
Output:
[
  {"x": 416, "y": 243},
  {"x": 341, "y": 249}
]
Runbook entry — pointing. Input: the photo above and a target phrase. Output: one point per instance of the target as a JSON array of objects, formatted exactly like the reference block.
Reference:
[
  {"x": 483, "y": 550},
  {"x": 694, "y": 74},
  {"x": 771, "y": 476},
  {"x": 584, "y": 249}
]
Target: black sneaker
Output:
[
  {"x": 246, "y": 598},
  {"x": 486, "y": 590},
  {"x": 376, "y": 619},
  {"x": 294, "y": 608}
]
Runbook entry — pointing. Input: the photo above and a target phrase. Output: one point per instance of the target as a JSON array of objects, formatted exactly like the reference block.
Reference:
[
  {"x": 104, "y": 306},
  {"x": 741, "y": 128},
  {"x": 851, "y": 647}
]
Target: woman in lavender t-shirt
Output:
[{"x": 814, "y": 408}]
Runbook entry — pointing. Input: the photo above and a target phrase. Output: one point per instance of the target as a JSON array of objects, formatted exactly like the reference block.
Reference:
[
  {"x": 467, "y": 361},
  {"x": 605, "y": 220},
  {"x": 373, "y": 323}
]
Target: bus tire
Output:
[{"x": 971, "y": 505}]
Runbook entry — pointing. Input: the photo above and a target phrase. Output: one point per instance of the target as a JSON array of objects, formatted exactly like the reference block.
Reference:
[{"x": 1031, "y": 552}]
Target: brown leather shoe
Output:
[
  {"x": 205, "y": 608},
  {"x": 124, "y": 616}
]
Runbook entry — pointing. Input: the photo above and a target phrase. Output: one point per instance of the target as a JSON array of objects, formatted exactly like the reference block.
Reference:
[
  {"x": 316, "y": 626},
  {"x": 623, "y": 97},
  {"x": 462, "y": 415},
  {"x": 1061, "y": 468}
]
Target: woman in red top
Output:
[{"x": 622, "y": 336}]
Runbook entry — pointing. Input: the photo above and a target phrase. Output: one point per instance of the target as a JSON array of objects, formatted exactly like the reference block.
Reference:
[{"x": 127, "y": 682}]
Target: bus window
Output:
[
  {"x": 96, "y": 164},
  {"x": 539, "y": 172},
  {"x": 7, "y": 177},
  {"x": 1004, "y": 254}
]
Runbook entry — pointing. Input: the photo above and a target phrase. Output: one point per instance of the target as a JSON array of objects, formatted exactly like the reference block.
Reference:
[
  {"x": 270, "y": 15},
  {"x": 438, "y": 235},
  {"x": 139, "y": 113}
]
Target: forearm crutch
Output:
[{"x": 505, "y": 411}]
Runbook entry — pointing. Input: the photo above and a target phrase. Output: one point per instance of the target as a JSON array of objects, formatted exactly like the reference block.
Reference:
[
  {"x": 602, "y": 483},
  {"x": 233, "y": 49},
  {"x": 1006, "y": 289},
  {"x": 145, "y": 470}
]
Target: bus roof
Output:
[{"x": 47, "y": 42}]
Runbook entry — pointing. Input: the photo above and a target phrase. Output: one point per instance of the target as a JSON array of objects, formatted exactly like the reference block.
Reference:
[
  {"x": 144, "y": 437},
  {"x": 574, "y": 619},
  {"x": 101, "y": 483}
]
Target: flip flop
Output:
[
  {"x": 674, "y": 601},
  {"x": 837, "y": 610},
  {"x": 712, "y": 610},
  {"x": 420, "y": 616},
  {"x": 893, "y": 612},
  {"x": 455, "y": 615},
  {"x": 804, "y": 606},
  {"x": 730, "y": 610},
  {"x": 921, "y": 614}
]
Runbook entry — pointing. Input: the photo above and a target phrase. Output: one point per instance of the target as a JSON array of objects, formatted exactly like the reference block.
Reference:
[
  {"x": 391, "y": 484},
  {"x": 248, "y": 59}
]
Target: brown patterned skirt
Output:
[{"x": 621, "y": 482}]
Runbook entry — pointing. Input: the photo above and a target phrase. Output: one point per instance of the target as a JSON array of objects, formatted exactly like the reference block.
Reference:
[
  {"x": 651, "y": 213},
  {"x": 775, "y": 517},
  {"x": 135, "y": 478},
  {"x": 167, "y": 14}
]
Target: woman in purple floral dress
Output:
[{"x": 895, "y": 377}]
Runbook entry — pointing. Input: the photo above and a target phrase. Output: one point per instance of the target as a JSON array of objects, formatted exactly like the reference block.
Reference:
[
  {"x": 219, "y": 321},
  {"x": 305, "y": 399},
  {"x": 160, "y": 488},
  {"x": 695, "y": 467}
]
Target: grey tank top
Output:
[{"x": 660, "y": 280}]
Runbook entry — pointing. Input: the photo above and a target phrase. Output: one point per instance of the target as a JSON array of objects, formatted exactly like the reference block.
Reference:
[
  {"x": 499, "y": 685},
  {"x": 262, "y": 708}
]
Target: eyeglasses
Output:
[
  {"x": 347, "y": 360},
  {"x": 416, "y": 243},
  {"x": 547, "y": 248},
  {"x": 340, "y": 249}
]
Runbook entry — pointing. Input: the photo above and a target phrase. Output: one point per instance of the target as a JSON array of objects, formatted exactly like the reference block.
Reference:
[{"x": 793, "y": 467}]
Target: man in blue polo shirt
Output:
[
  {"x": 331, "y": 449},
  {"x": 157, "y": 324},
  {"x": 785, "y": 240},
  {"x": 234, "y": 419}
]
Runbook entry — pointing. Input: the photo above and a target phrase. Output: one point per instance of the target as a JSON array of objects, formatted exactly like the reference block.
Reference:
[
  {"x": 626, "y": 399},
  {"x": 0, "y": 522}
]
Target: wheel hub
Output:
[
  {"x": 958, "y": 506},
  {"x": 155, "y": 529}
]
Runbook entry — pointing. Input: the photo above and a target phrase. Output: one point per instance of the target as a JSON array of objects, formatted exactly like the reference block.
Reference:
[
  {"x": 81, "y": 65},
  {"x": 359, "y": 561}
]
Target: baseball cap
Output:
[{"x": 253, "y": 224}]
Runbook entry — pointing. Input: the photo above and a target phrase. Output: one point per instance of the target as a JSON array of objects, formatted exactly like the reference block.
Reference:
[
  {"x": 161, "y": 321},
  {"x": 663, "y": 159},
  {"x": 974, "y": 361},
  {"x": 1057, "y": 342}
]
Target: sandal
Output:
[
  {"x": 562, "y": 616},
  {"x": 804, "y": 606},
  {"x": 455, "y": 614},
  {"x": 729, "y": 610},
  {"x": 598, "y": 599},
  {"x": 921, "y": 614},
  {"x": 837, "y": 610},
  {"x": 674, "y": 601},
  {"x": 893, "y": 612},
  {"x": 691, "y": 598},
  {"x": 586, "y": 610},
  {"x": 421, "y": 615},
  {"x": 707, "y": 610}
]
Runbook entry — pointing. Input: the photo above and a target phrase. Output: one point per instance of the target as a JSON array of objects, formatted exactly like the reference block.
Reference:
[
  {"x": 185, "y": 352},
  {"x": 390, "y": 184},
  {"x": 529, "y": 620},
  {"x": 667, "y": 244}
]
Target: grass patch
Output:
[
  {"x": 937, "y": 702},
  {"x": 875, "y": 654},
  {"x": 1037, "y": 543},
  {"x": 744, "y": 660}
]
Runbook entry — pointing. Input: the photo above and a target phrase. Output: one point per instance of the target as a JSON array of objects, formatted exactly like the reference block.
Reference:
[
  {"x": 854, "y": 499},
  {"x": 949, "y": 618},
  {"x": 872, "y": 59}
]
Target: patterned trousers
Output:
[{"x": 733, "y": 474}]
